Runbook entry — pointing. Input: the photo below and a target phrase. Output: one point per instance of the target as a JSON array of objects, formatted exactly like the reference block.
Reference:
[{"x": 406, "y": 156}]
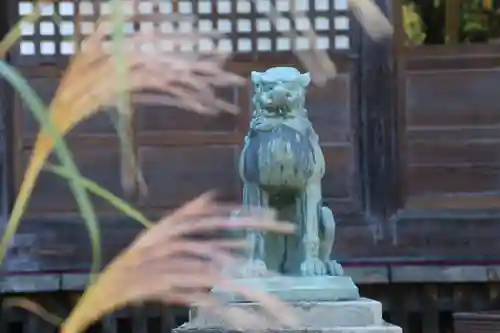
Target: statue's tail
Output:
[{"x": 327, "y": 225}]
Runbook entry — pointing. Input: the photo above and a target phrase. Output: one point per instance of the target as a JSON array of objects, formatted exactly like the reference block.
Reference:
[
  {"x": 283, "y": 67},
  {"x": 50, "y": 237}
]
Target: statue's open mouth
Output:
[{"x": 278, "y": 111}]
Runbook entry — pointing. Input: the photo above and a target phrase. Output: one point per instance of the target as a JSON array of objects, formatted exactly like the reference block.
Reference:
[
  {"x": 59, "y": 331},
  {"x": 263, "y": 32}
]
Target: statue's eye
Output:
[{"x": 265, "y": 86}]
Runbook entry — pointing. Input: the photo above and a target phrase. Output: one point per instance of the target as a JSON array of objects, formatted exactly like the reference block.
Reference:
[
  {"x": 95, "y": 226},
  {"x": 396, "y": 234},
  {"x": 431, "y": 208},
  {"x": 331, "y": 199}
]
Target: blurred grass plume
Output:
[{"x": 166, "y": 264}]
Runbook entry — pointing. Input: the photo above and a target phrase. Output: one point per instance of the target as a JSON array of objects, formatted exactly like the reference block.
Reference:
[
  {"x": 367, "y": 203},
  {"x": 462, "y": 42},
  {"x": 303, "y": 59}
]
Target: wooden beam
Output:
[
  {"x": 377, "y": 107},
  {"x": 366, "y": 275},
  {"x": 452, "y": 21}
]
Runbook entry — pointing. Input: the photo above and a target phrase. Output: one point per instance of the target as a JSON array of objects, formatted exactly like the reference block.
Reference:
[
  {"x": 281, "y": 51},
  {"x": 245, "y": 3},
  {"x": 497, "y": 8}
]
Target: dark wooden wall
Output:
[
  {"x": 446, "y": 179},
  {"x": 448, "y": 129},
  {"x": 431, "y": 112},
  {"x": 181, "y": 154},
  {"x": 408, "y": 135}
]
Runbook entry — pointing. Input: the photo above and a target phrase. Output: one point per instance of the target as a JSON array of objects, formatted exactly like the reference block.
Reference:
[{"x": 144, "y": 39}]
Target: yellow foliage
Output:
[{"x": 413, "y": 25}]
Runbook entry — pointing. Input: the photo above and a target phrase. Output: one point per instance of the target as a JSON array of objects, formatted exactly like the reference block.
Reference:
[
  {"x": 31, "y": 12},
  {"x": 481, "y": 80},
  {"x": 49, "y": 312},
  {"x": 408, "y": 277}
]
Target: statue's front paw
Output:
[
  {"x": 254, "y": 268},
  {"x": 313, "y": 267},
  {"x": 334, "y": 268}
]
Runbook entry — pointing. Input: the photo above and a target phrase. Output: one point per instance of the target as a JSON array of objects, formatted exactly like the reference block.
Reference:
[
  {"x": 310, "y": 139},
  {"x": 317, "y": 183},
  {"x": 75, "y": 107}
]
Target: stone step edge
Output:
[
  {"x": 385, "y": 328},
  {"x": 361, "y": 302}
]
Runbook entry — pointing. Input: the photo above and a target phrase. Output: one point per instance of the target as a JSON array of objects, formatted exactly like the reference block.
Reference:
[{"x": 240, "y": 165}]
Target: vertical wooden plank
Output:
[
  {"x": 35, "y": 324},
  {"x": 399, "y": 308},
  {"x": 494, "y": 295},
  {"x": 397, "y": 182},
  {"x": 180, "y": 315},
  {"x": 446, "y": 307},
  {"x": 6, "y": 18},
  {"x": 445, "y": 298},
  {"x": 139, "y": 319},
  {"x": 110, "y": 324},
  {"x": 461, "y": 299},
  {"x": 452, "y": 21},
  {"x": 15, "y": 320},
  {"x": 3, "y": 318},
  {"x": 479, "y": 293},
  {"x": 413, "y": 308},
  {"x": 123, "y": 320},
  {"x": 3, "y": 323},
  {"x": 376, "y": 99},
  {"x": 383, "y": 295},
  {"x": 430, "y": 320},
  {"x": 167, "y": 319}
]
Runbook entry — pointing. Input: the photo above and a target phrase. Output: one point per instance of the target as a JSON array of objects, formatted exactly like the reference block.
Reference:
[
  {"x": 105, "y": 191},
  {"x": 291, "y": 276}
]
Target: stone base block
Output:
[
  {"x": 298, "y": 288},
  {"x": 386, "y": 328},
  {"x": 362, "y": 312},
  {"x": 357, "y": 316},
  {"x": 322, "y": 304}
]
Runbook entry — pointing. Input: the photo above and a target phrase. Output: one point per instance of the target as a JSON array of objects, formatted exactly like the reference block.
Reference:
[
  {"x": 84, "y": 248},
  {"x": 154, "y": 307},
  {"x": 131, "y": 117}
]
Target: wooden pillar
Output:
[
  {"x": 452, "y": 21},
  {"x": 377, "y": 108}
]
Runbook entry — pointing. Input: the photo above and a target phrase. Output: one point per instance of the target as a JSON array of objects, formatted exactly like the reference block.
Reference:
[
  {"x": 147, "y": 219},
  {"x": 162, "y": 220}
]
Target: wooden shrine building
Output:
[{"x": 410, "y": 130}]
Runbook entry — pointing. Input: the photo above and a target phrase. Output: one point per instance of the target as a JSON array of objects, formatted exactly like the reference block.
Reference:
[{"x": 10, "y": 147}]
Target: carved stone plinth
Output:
[
  {"x": 358, "y": 316},
  {"x": 322, "y": 303},
  {"x": 298, "y": 288}
]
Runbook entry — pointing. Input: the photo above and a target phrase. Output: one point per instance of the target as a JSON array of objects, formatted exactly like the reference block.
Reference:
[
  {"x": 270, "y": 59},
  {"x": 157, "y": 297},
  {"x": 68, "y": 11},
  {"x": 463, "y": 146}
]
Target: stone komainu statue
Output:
[{"x": 281, "y": 166}]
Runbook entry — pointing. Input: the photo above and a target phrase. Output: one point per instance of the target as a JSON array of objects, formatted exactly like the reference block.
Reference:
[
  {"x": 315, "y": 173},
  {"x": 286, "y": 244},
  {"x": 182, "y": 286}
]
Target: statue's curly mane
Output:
[
  {"x": 280, "y": 147},
  {"x": 280, "y": 158}
]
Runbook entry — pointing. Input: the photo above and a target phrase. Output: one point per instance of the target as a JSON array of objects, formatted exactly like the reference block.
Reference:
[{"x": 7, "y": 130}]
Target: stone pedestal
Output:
[
  {"x": 292, "y": 288},
  {"x": 324, "y": 304}
]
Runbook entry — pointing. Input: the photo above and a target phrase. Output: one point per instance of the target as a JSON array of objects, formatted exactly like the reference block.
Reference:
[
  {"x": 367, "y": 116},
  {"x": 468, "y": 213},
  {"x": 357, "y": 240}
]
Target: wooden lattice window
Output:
[
  {"x": 47, "y": 38},
  {"x": 246, "y": 26}
]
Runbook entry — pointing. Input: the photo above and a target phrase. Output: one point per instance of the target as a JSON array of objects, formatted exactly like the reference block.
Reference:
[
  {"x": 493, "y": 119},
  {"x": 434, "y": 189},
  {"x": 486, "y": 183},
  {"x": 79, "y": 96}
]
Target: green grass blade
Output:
[
  {"x": 124, "y": 104},
  {"x": 98, "y": 190}
]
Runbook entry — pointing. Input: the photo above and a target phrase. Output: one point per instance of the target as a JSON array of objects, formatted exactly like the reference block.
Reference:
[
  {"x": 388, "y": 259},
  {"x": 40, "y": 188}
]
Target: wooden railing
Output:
[
  {"x": 417, "y": 308},
  {"x": 141, "y": 319}
]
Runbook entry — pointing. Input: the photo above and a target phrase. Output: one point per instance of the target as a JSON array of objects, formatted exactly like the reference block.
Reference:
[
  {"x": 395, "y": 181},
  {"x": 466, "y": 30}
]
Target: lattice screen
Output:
[
  {"x": 47, "y": 38},
  {"x": 246, "y": 26}
]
